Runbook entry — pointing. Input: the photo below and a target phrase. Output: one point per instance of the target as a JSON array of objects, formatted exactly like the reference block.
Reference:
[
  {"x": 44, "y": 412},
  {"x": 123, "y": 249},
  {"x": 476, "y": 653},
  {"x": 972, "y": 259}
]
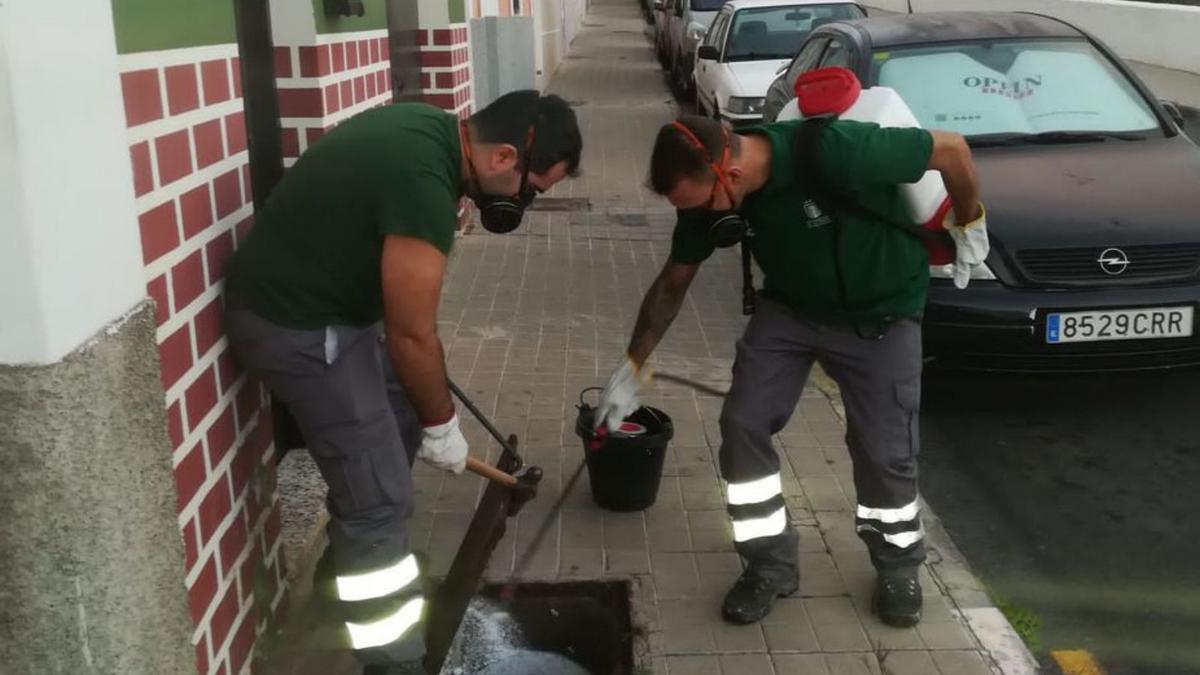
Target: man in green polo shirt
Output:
[
  {"x": 332, "y": 300},
  {"x": 845, "y": 283}
]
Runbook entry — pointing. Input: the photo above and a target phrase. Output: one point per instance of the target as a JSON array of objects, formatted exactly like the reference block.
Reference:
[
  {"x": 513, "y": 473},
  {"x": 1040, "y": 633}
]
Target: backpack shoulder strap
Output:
[
  {"x": 806, "y": 156},
  {"x": 806, "y": 165}
]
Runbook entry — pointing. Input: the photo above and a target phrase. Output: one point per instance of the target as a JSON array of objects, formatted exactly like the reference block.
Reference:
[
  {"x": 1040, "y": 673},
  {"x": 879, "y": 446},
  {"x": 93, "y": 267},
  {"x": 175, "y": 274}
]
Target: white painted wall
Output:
[
  {"x": 432, "y": 13},
  {"x": 1157, "y": 34},
  {"x": 292, "y": 22},
  {"x": 70, "y": 252},
  {"x": 555, "y": 23}
]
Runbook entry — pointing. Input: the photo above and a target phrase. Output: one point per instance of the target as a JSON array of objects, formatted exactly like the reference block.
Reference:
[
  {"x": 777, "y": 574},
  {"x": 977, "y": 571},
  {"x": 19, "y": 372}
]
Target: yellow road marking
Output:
[{"x": 1077, "y": 662}]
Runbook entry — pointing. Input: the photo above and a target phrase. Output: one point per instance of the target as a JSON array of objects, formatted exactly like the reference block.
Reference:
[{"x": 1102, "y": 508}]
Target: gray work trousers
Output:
[
  {"x": 880, "y": 382},
  {"x": 363, "y": 434}
]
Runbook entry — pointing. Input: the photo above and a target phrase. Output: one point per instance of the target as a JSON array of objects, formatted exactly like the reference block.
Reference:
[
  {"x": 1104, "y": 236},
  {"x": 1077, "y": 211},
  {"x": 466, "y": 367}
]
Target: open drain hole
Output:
[{"x": 581, "y": 628}]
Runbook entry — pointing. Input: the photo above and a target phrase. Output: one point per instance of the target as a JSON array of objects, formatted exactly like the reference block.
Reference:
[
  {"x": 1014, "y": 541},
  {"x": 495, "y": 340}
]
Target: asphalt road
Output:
[{"x": 1077, "y": 499}]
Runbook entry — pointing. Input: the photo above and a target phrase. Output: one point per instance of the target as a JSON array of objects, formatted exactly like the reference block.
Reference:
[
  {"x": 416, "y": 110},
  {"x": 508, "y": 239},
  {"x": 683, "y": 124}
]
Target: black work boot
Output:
[
  {"x": 897, "y": 598},
  {"x": 754, "y": 593}
]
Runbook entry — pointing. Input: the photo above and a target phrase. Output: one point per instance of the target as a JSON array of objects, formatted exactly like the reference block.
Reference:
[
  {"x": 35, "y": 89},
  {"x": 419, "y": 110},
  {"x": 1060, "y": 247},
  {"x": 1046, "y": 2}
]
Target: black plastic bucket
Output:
[{"x": 625, "y": 469}]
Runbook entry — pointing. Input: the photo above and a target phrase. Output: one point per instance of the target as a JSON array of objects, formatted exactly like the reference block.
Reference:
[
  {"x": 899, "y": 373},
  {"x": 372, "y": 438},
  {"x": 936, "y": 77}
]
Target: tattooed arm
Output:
[{"x": 659, "y": 308}]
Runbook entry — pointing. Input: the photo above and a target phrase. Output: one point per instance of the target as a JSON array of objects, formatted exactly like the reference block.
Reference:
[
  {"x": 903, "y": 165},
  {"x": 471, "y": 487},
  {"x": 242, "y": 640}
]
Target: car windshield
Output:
[
  {"x": 707, "y": 5},
  {"x": 776, "y": 32},
  {"x": 1021, "y": 89}
]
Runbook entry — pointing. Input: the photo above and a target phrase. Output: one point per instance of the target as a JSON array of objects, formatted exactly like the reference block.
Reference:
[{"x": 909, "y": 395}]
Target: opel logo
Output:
[{"x": 1113, "y": 261}]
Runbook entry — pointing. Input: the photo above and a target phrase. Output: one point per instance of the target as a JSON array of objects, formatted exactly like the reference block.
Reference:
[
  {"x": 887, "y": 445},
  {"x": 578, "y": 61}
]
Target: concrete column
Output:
[{"x": 92, "y": 561}]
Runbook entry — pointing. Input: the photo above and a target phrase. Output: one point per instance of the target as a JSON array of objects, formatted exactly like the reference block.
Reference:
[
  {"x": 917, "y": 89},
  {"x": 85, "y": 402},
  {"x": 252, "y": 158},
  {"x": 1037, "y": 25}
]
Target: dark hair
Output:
[
  {"x": 676, "y": 157},
  {"x": 556, "y": 135}
]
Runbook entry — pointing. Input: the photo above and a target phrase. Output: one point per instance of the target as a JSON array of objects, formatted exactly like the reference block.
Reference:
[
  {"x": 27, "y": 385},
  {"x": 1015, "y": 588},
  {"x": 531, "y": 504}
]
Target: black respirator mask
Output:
[
  {"x": 726, "y": 228},
  {"x": 501, "y": 215}
]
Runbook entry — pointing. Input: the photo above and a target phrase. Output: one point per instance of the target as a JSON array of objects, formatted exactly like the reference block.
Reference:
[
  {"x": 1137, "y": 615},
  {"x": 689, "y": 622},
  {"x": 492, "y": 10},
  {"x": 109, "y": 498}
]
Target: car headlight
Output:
[
  {"x": 696, "y": 32},
  {"x": 978, "y": 273},
  {"x": 743, "y": 105}
]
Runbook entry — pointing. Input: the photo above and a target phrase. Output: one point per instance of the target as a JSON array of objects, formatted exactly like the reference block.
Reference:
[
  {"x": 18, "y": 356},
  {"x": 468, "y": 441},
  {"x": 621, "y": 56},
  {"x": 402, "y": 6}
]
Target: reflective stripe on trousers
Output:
[
  {"x": 901, "y": 527},
  {"x": 756, "y": 508},
  {"x": 363, "y": 587}
]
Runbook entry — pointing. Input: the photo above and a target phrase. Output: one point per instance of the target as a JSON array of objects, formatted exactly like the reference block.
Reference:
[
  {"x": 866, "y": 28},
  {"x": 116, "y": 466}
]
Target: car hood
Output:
[
  {"x": 704, "y": 18},
  {"x": 753, "y": 78},
  {"x": 1112, "y": 193}
]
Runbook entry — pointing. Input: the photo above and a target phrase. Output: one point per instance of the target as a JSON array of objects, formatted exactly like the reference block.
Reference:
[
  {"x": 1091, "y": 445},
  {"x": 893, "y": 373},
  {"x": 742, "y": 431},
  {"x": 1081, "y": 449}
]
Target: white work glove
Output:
[
  {"x": 443, "y": 446},
  {"x": 970, "y": 244},
  {"x": 619, "y": 398}
]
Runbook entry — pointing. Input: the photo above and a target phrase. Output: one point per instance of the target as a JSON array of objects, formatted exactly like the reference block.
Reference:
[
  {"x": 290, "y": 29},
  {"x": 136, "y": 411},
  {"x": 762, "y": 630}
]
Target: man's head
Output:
[
  {"x": 684, "y": 172},
  {"x": 518, "y": 132}
]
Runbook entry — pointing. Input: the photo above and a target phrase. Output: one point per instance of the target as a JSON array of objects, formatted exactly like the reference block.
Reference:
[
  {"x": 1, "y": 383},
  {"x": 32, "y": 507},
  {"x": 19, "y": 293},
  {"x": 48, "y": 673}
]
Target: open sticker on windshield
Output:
[
  {"x": 1023, "y": 88},
  {"x": 1014, "y": 89}
]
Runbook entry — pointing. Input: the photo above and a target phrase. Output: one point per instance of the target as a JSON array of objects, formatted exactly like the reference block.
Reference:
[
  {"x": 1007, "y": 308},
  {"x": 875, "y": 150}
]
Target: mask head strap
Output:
[{"x": 717, "y": 169}]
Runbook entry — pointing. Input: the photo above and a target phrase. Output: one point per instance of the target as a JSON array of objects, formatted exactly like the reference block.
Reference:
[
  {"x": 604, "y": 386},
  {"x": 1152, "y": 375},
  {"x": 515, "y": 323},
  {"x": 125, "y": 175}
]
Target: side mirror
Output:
[
  {"x": 708, "y": 53},
  {"x": 1176, "y": 114}
]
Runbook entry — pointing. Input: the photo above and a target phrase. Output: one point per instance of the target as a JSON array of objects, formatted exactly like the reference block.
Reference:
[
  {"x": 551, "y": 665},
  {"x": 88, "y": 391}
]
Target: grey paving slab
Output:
[
  {"x": 908, "y": 663},
  {"x": 800, "y": 664},
  {"x": 966, "y": 662}
]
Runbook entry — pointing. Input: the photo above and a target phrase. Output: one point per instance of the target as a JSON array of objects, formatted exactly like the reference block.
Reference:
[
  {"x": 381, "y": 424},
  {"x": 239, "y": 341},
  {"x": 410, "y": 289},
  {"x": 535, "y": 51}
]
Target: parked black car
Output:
[{"x": 1093, "y": 192}]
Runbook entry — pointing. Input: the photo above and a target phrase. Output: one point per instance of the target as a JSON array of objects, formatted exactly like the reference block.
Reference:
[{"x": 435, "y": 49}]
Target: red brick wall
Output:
[
  {"x": 323, "y": 84},
  {"x": 446, "y": 68},
  {"x": 187, "y": 145}
]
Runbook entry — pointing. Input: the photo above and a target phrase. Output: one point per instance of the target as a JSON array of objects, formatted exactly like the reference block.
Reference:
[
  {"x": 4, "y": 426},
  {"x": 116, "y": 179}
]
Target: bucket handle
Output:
[{"x": 583, "y": 404}]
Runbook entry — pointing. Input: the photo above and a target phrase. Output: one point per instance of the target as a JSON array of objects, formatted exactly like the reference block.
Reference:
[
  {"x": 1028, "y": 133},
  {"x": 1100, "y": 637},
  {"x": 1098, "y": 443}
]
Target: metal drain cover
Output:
[
  {"x": 629, "y": 219},
  {"x": 560, "y": 204}
]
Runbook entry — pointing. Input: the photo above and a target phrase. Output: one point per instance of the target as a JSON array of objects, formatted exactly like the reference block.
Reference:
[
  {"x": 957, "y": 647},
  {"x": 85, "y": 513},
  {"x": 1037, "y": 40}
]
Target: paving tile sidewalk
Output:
[{"x": 531, "y": 319}]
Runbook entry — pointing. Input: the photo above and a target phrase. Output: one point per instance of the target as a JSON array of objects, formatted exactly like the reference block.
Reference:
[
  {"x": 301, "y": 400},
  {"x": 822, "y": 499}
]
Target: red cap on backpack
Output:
[{"x": 828, "y": 91}]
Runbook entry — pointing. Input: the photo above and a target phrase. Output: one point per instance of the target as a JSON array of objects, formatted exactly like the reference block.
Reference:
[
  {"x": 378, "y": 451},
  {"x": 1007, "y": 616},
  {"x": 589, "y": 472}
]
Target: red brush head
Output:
[
  {"x": 598, "y": 437},
  {"x": 828, "y": 91},
  {"x": 508, "y": 592}
]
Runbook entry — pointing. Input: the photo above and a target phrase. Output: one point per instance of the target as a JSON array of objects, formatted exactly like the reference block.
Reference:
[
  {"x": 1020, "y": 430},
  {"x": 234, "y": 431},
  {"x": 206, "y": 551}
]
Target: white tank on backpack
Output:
[{"x": 927, "y": 199}]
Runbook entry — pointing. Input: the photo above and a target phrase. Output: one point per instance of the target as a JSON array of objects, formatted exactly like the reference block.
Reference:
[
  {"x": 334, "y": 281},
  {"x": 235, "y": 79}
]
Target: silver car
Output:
[{"x": 682, "y": 25}]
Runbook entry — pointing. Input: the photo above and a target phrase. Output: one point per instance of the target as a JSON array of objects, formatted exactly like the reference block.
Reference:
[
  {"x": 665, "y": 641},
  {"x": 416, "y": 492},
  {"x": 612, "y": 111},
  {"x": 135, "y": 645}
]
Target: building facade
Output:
[{"x": 138, "y": 472}]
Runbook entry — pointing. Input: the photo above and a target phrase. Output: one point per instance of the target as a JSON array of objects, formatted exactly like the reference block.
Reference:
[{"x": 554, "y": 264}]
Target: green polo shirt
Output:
[
  {"x": 884, "y": 269},
  {"x": 313, "y": 256}
]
